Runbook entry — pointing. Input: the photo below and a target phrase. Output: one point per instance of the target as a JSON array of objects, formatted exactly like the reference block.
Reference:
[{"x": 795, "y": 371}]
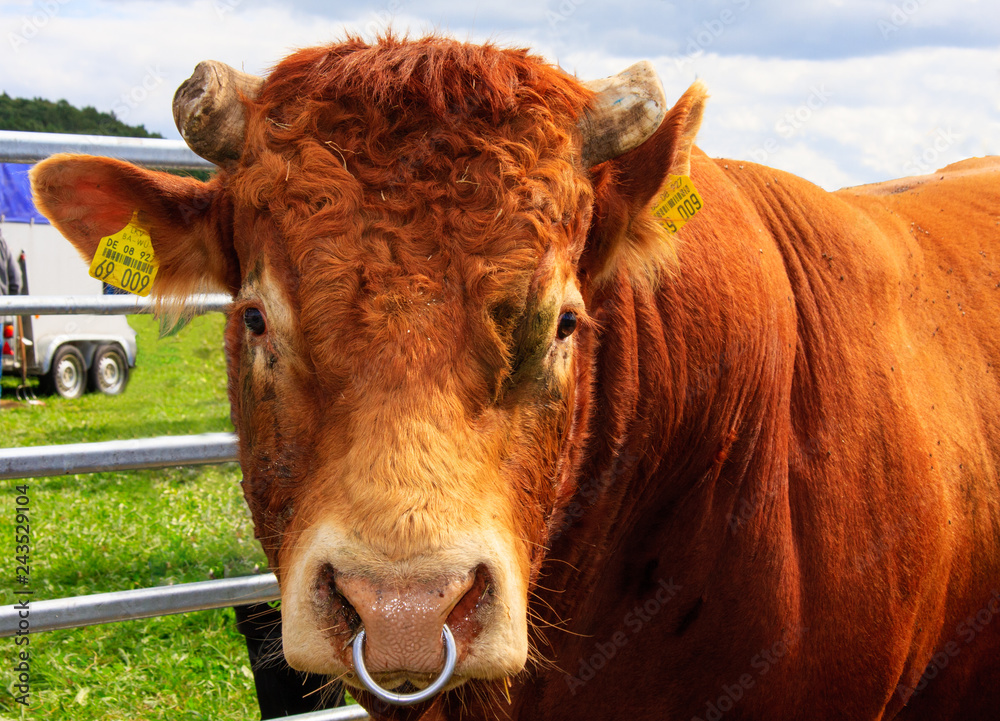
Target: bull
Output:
[{"x": 515, "y": 450}]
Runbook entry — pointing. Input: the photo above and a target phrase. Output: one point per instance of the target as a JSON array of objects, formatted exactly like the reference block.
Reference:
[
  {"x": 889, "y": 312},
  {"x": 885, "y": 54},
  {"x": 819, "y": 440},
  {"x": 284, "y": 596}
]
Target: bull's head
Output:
[{"x": 413, "y": 233}]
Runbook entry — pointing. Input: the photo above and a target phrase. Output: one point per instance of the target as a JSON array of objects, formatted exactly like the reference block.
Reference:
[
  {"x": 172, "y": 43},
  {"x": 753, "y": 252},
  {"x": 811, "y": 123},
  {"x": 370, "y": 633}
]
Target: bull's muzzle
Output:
[
  {"x": 403, "y": 621},
  {"x": 410, "y": 634},
  {"x": 333, "y": 588}
]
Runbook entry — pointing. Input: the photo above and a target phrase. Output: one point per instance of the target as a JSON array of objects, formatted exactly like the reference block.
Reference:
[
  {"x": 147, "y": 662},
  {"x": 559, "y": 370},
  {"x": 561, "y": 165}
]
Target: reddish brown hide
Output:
[{"x": 757, "y": 481}]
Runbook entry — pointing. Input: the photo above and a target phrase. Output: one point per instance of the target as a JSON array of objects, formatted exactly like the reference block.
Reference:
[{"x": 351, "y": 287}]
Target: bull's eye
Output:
[
  {"x": 254, "y": 321},
  {"x": 567, "y": 324}
]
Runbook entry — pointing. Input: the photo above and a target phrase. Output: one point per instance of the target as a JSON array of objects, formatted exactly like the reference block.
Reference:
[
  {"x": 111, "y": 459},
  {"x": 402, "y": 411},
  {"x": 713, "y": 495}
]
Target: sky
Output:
[{"x": 840, "y": 92}]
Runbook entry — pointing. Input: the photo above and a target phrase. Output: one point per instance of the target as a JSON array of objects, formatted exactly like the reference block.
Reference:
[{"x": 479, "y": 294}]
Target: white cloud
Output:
[
  {"x": 766, "y": 63},
  {"x": 870, "y": 117},
  {"x": 131, "y": 60}
]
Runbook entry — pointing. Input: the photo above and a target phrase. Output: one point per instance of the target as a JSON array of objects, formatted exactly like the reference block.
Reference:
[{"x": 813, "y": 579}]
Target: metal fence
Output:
[
  {"x": 146, "y": 453},
  {"x": 23, "y": 147},
  {"x": 100, "y": 304}
]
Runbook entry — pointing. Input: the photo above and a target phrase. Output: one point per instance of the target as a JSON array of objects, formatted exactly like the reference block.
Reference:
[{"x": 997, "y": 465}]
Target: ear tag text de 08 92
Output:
[
  {"x": 126, "y": 260},
  {"x": 678, "y": 203}
]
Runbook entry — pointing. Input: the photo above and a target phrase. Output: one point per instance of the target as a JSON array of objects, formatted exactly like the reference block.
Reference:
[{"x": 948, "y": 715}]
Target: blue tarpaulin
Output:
[{"x": 15, "y": 195}]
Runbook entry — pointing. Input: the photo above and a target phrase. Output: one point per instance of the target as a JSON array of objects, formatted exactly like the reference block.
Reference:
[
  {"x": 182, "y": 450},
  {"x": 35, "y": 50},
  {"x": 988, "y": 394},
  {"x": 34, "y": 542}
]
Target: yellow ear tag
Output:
[
  {"x": 678, "y": 203},
  {"x": 125, "y": 259}
]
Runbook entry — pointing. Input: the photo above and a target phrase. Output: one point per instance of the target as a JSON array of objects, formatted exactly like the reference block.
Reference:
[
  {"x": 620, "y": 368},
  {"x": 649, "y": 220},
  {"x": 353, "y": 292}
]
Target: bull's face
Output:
[
  {"x": 407, "y": 232},
  {"x": 403, "y": 359}
]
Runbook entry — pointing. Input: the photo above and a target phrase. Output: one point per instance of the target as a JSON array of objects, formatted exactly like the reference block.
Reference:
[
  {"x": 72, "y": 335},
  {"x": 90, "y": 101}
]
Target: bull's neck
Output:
[{"x": 685, "y": 466}]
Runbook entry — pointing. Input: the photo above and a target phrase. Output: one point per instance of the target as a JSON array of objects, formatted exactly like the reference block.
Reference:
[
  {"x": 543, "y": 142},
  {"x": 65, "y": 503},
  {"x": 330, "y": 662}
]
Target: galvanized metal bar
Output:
[
  {"x": 100, "y": 608},
  {"x": 102, "y": 304},
  {"x": 344, "y": 713},
  {"x": 61, "y": 613},
  {"x": 18, "y": 146},
  {"x": 162, "y": 452}
]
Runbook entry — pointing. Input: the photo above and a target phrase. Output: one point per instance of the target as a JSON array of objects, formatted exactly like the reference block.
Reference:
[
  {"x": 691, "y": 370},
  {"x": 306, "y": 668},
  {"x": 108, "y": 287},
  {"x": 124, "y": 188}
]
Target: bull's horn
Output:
[
  {"x": 208, "y": 111},
  {"x": 626, "y": 110}
]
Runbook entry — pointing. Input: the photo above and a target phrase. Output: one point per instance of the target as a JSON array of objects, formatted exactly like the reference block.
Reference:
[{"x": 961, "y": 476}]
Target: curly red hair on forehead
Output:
[{"x": 400, "y": 173}]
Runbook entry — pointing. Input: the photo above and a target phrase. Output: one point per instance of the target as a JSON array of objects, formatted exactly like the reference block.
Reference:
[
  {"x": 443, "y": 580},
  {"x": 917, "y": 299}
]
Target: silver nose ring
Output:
[{"x": 405, "y": 699}]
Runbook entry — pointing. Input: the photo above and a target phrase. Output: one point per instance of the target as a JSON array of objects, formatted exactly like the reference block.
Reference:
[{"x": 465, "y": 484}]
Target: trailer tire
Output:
[
  {"x": 109, "y": 372},
  {"x": 68, "y": 375}
]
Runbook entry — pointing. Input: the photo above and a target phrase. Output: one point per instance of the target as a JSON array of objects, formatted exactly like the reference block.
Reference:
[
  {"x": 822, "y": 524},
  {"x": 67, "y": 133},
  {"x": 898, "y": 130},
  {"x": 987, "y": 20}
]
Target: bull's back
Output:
[
  {"x": 940, "y": 238},
  {"x": 945, "y": 231},
  {"x": 946, "y": 227},
  {"x": 893, "y": 472}
]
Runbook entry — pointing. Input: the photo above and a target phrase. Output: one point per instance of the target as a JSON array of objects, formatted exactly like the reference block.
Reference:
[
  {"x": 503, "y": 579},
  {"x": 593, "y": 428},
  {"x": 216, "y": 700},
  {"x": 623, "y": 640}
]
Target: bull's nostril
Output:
[
  {"x": 341, "y": 617},
  {"x": 464, "y": 619}
]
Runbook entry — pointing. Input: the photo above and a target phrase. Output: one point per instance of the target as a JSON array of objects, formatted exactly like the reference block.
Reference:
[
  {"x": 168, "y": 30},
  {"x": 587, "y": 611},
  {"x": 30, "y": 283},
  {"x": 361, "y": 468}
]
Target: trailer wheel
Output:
[
  {"x": 68, "y": 374},
  {"x": 109, "y": 372}
]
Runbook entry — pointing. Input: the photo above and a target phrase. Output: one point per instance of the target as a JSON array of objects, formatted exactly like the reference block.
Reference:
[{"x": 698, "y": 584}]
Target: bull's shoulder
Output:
[{"x": 974, "y": 169}]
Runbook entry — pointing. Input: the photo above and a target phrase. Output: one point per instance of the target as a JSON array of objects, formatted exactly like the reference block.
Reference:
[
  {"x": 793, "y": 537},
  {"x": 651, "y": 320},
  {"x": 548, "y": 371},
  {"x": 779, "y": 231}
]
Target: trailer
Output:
[{"x": 71, "y": 354}]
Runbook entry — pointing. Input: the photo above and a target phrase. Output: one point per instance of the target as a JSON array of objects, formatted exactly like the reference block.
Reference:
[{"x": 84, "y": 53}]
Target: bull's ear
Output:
[
  {"x": 88, "y": 198},
  {"x": 623, "y": 236}
]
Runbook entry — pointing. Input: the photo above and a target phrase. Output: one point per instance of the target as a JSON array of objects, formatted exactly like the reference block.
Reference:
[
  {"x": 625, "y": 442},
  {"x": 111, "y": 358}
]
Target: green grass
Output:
[{"x": 113, "y": 531}]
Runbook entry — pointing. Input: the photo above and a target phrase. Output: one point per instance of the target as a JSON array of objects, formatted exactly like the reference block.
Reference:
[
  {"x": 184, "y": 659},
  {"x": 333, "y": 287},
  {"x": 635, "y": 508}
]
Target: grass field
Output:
[{"x": 113, "y": 531}]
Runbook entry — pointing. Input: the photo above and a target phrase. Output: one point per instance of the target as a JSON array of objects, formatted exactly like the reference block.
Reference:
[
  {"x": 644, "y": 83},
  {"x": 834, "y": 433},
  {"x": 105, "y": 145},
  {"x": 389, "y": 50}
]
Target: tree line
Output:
[{"x": 44, "y": 116}]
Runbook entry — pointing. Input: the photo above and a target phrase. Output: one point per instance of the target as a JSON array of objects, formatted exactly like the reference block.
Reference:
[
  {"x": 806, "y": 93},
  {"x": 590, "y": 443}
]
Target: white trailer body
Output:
[
  {"x": 55, "y": 268},
  {"x": 96, "y": 347}
]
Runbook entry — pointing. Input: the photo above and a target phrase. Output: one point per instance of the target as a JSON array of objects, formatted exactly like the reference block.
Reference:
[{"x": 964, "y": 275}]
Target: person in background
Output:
[{"x": 10, "y": 278}]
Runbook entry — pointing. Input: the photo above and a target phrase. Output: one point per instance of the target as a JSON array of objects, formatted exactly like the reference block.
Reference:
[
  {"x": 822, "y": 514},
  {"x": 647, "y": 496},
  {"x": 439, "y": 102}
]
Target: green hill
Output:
[{"x": 44, "y": 116}]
